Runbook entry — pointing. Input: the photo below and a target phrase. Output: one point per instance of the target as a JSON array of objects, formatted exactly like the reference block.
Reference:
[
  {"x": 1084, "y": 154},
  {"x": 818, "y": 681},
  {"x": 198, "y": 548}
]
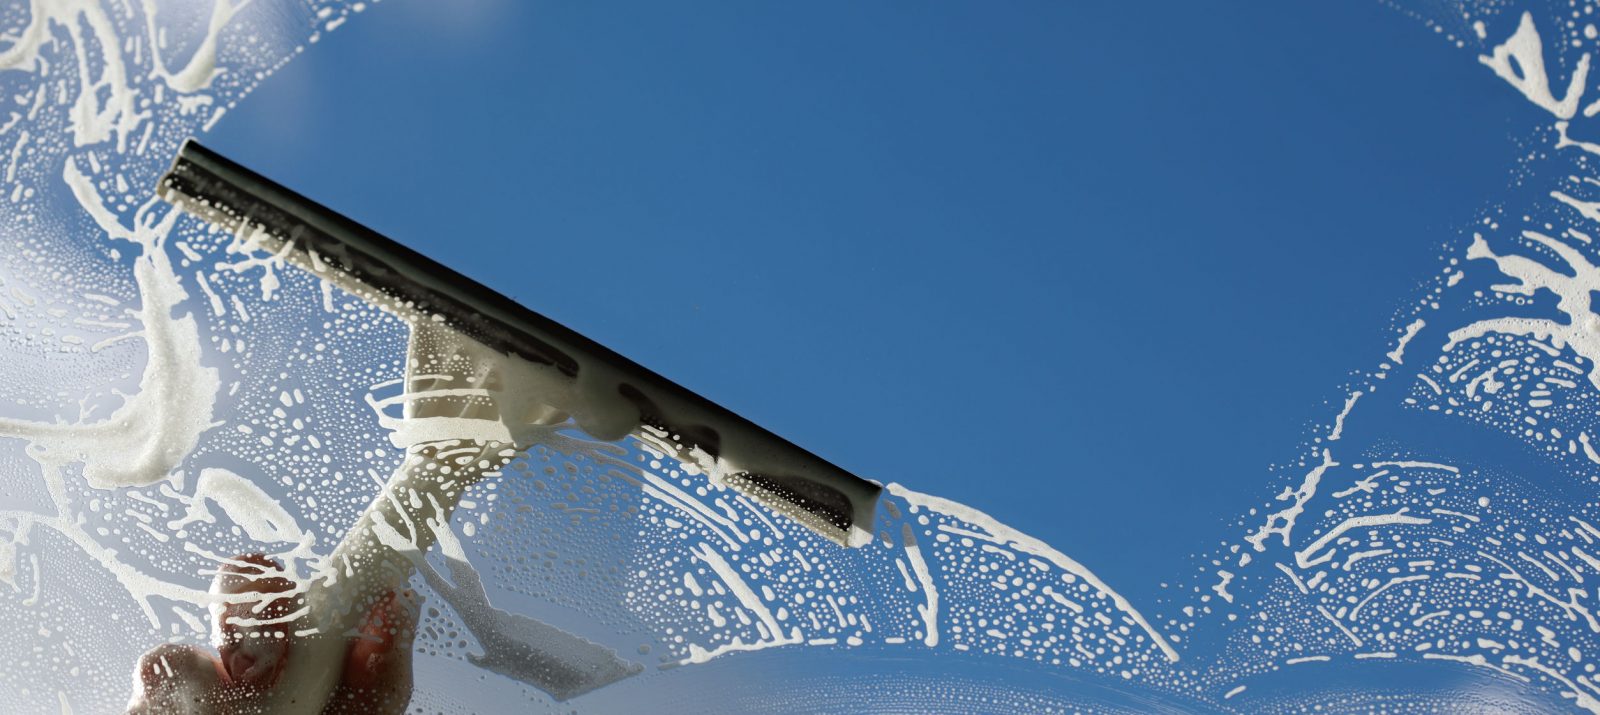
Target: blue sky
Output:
[{"x": 1089, "y": 267}]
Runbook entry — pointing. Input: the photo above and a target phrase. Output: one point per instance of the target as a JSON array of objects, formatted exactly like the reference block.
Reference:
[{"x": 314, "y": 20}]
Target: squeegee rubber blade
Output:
[{"x": 775, "y": 472}]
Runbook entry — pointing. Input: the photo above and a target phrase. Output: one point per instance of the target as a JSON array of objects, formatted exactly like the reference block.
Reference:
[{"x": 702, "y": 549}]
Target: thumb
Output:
[
  {"x": 252, "y": 652},
  {"x": 173, "y": 679}
]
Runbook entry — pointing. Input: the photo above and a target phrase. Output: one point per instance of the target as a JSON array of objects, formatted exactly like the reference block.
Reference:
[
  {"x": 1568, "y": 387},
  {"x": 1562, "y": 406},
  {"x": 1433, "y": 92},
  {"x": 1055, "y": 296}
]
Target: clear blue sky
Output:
[{"x": 1090, "y": 267}]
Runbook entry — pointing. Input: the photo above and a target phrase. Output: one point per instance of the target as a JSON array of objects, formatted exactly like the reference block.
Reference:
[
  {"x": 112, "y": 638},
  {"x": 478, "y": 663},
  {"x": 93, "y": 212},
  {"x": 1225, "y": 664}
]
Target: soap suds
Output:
[{"x": 202, "y": 397}]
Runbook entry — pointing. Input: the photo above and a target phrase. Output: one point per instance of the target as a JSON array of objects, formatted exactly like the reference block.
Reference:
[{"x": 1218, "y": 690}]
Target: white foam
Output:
[
  {"x": 261, "y": 516},
  {"x": 1014, "y": 539},
  {"x": 144, "y": 439},
  {"x": 1520, "y": 61}
]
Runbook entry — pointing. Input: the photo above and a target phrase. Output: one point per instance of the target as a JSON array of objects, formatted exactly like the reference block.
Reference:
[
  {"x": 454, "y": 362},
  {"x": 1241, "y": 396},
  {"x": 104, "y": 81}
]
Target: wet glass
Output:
[{"x": 233, "y": 484}]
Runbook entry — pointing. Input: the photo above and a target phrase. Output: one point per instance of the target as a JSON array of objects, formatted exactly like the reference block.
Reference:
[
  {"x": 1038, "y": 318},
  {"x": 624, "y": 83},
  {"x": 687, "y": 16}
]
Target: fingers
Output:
[
  {"x": 177, "y": 680},
  {"x": 377, "y": 669},
  {"x": 250, "y": 635},
  {"x": 184, "y": 679},
  {"x": 253, "y": 639}
]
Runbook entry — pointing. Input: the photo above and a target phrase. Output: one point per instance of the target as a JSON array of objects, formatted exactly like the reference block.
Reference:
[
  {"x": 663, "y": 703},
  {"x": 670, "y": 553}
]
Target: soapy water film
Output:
[{"x": 176, "y": 396}]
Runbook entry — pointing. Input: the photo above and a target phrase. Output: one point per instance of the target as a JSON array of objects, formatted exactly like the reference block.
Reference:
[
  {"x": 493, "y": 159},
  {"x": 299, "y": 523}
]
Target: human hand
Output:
[{"x": 254, "y": 642}]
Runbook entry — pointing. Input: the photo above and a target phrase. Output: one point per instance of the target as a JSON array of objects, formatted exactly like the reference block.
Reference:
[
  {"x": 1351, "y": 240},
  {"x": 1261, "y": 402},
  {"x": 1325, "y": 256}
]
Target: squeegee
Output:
[{"x": 608, "y": 395}]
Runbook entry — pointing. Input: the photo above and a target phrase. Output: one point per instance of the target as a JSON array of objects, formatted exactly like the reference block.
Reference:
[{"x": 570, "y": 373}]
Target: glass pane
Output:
[{"x": 236, "y": 481}]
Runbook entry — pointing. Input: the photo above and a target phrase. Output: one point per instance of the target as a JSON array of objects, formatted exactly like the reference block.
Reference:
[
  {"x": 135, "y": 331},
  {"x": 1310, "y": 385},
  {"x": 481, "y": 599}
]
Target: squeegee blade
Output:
[{"x": 823, "y": 497}]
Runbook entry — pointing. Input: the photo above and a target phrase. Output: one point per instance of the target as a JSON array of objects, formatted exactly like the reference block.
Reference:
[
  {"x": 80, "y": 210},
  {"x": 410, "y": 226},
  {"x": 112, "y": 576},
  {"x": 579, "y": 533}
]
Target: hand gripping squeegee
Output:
[{"x": 760, "y": 464}]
